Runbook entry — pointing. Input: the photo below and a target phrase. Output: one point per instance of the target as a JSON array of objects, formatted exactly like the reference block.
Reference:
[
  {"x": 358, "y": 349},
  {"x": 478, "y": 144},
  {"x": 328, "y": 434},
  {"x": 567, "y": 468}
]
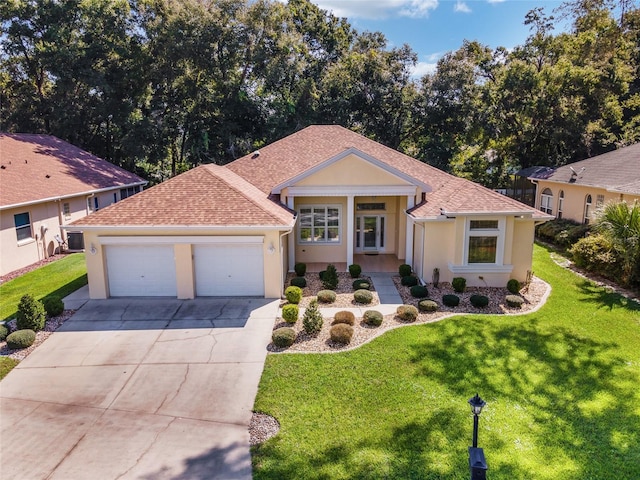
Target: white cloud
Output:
[
  {"x": 378, "y": 8},
  {"x": 461, "y": 7},
  {"x": 423, "y": 68},
  {"x": 495, "y": 1}
]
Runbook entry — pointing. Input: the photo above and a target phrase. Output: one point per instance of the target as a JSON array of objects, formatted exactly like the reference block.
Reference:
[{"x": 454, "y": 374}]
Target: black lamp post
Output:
[{"x": 477, "y": 462}]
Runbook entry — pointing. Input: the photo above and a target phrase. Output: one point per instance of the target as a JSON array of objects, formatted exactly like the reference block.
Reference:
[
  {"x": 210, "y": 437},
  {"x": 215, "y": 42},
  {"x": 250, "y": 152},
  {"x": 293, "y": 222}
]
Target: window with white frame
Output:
[
  {"x": 587, "y": 209},
  {"x": 22, "y": 221},
  {"x": 560, "y": 203},
  {"x": 546, "y": 201},
  {"x": 319, "y": 224},
  {"x": 599, "y": 201},
  {"x": 66, "y": 209},
  {"x": 484, "y": 241}
]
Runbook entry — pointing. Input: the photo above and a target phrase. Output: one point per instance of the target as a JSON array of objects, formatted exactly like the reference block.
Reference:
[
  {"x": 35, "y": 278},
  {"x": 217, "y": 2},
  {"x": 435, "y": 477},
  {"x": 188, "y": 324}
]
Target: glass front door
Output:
[{"x": 370, "y": 233}]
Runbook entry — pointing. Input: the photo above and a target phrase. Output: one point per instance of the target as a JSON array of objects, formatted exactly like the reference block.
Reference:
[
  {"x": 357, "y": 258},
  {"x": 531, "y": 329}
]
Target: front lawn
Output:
[
  {"x": 561, "y": 386},
  {"x": 60, "y": 278}
]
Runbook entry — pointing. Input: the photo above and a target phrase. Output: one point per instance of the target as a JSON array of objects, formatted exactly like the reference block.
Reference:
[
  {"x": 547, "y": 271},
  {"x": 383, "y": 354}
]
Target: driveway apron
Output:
[{"x": 138, "y": 389}]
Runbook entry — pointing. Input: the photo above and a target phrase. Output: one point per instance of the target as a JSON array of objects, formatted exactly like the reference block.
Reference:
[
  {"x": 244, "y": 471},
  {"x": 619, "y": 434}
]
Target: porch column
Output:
[
  {"x": 293, "y": 236},
  {"x": 350, "y": 229},
  {"x": 409, "y": 235}
]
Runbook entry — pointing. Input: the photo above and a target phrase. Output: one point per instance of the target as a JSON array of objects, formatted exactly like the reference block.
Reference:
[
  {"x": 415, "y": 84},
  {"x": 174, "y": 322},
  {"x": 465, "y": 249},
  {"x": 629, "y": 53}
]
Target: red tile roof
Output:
[{"x": 38, "y": 167}]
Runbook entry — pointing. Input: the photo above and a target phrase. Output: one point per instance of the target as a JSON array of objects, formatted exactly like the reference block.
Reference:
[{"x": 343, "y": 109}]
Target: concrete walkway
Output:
[
  {"x": 387, "y": 291},
  {"x": 138, "y": 388}
]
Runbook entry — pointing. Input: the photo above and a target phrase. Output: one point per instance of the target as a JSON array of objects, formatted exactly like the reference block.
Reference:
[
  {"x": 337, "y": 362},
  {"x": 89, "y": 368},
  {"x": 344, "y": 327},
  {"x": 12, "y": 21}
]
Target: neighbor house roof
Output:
[
  {"x": 36, "y": 168},
  {"x": 617, "y": 171}
]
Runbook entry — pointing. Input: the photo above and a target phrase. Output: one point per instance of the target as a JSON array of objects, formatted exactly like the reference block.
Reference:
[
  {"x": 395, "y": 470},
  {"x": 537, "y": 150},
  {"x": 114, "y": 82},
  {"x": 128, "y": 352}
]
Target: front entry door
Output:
[{"x": 370, "y": 233}]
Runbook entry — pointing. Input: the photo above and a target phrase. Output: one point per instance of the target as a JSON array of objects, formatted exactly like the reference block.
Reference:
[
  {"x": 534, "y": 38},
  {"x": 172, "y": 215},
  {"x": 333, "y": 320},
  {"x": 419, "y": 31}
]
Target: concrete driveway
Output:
[{"x": 138, "y": 389}]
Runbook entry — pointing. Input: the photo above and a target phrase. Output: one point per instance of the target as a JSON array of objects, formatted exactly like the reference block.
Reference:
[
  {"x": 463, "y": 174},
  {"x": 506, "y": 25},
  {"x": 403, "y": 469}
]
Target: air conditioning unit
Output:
[{"x": 75, "y": 241}]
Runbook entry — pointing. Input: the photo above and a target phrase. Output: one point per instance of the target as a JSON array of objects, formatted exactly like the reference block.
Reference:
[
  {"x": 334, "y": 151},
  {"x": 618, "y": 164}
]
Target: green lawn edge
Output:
[{"x": 561, "y": 385}]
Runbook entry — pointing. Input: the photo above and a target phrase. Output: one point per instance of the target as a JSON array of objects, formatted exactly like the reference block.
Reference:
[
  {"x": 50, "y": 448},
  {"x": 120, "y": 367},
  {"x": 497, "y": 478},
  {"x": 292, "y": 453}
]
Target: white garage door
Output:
[
  {"x": 141, "y": 270},
  {"x": 228, "y": 270}
]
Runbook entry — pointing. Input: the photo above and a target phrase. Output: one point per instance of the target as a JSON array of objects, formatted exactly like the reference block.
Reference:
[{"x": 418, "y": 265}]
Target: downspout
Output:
[
  {"x": 60, "y": 229},
  {"x": 288, "y": 232},
  {"x": 86, "y": 206}
]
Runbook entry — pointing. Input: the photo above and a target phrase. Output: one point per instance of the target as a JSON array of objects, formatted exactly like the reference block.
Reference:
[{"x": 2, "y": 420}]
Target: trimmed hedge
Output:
[
  {"x": 562, "y": 232},
  {"x": 326, "y": 296},
  {"x": 372, "y": 317},
  {"x": 299, "y": 282},
  {"x": 479, "y": 301},
  {"x": 283, "y": 337},
  {"x": 408, "y": 313},
  {"x": 419, "y": 291},
  {"x": 361, "y": 284},
  {"x": 321, "y": 274},
  {"x": 293, "y": 294},
  {"x": 427, "y": 306},
  {"x": 404, "y": 270},
  {"x": 344, "y": 316},
  {"x": 363, "y": 296},
  {"x": 290, "y": 313},
  {"x": 355, "y": 270},
  {"x": 409, "y": 281},
  {"x": 459, "y": 284},
  {"x": 341, "y": 333},
  {"x": 21, "y": 339},
  {"x": 514, "y": 286},
  {"x": 4, "y": 331},
  {"x": 31, "y": 314},
  {"x": 451, "y": 300},
  {"x": 53, "y": 305},
  {"x": 300, "y": 269},
  {"x": 514, "y": 301}
]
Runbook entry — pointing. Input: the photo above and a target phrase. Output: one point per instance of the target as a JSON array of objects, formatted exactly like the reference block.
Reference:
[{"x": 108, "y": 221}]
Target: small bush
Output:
[
  {"x": 427, "y": 306},
  {"x": 341, "y": 333},
  {"x": 300, "y": 269},
  {"x": 372, "y": 317},
  {"x": 514, "y": 301},
  {"x": 326, "y": 296},
  {"x": 321, "y": 274},
  {"x": 513, "y": 286},
  {"x": 435, "y": 277},
  {"x": 299, "y": 282},
  {"x": 363, "y": 296},
  {"x": 408, "y": 313},
  {"x": 53, "y": 306},
  {"x": 293, "y": 294},
  {"x": 361, "y": 285},
  {"x": 479, "y": 301},
  {"x": 344, "y": 316},
  {"x": 312, "y": 319},
  {"x": 419, "y": 291},
  {"x": 21, "y": 339},
  {"x": 290, "y": 313},
  {"x": 4, "y": 331},
  {"x": 409, "y": 281},
  {"x": 597, "y": 254},
  {"x": 451, "y": 300},
  {"x": 459, "y": 284},
  {"x": 562, "y": 232},
  {"x": 355, "y": 270},
  {"x": 404, "y": 270},
  {"x": 330, "y": 278},
  {"x": 283, "y": 337},
  {"x": 31, "y": 315}
]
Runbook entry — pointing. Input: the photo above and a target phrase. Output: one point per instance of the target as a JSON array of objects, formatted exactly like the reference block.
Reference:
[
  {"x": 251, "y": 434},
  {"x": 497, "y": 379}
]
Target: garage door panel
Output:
[
  {"x": 141, "y": 270},
  {"x": 229, "y": 270}
]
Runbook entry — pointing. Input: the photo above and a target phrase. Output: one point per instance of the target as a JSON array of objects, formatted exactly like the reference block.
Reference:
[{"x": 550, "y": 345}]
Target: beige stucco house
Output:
[
  {"x": 322, "y": 195},
  {"x": 576, "y": 191},
  {"x": 46, "y": 183}
]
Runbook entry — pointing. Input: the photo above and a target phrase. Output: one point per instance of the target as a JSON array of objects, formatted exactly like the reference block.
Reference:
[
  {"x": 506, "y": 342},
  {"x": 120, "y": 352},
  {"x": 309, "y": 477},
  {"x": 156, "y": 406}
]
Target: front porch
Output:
[{"x": 387, "y": 263}]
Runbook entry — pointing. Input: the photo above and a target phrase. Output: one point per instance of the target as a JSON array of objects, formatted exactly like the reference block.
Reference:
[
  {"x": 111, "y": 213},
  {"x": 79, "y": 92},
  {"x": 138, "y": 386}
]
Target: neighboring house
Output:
[
  {"x": 575, "y": 191},
  {"x": 323, "y": 194},
  {"x": 46, "y": 183}
]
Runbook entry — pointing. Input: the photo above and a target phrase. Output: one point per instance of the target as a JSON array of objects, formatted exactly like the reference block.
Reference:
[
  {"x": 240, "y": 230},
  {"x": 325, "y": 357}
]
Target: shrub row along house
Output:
[
  {"x": 47, "y": 184},
  {"x": 323, "y": 194}
]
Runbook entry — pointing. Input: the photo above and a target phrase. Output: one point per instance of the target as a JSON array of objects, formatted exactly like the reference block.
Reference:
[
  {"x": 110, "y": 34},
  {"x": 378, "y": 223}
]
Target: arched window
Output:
[
  {"x": 560, "y": 203},
  {"x": 587, "y": 209},
  {"x": 546, "y": 201}
]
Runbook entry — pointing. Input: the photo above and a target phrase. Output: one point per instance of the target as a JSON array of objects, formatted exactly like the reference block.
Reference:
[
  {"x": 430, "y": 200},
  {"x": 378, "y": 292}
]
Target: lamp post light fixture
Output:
[{"x": 477, "y": 462}]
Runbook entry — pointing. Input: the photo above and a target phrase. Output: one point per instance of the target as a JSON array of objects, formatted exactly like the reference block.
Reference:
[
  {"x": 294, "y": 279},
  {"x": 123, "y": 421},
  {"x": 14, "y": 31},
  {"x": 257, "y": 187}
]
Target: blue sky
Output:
[{"x": 434, "y": 27}]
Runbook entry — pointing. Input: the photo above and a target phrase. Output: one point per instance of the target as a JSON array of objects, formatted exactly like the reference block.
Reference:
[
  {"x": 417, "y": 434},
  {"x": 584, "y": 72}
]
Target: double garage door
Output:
[{"x": 217, "y": 269}]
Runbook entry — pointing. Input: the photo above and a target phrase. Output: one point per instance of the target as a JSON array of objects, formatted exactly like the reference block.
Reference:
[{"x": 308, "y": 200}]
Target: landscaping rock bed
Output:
[
  {"x": 50, "y": 326},
  {"x": 344, "y": 292}
]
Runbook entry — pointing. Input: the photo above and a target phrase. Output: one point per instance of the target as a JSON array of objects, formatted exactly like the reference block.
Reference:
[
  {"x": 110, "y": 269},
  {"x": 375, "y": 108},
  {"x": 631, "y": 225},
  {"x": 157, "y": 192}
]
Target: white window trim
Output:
[
  {"x": 499, "y": 233},
  {"x": 546, "y": 202},
  {"x": 588, "y": 204},
  {"x": 383, "y": 217},
  {"x": 560, "y": 203},
  {"x": 326, "y": 207},
  {"x": 28, "y": 239}
]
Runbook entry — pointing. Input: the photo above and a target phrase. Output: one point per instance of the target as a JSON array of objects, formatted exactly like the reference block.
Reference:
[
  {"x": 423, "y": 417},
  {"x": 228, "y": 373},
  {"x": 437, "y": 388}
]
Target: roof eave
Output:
[{"x": 190, "y": 228}]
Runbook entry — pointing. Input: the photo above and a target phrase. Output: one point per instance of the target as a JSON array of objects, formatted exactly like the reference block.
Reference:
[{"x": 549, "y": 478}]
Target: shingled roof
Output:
[
  {"x": 617, "y": 171},
  {"x": 39, "y": 167}
]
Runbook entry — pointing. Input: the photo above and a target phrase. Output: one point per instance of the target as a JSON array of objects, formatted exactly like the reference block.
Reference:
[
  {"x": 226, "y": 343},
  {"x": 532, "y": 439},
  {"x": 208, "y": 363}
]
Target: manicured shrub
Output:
[
  {"x": 53, "y": 306},
  {"x": 361, "y": 284},
  {"x": 293, "y": 294},
  {"x": 300, "y": 269},
  {"x": 21, "y": 339},
  {"x": 321, "y": 274},
  {"x": 31, "y": 315},
  {"x": 290, "y": 313},
  {"x": 344, "y": 316},
  {"x": 427, "y": 306},
  {"x": 459, "y": 284},
  {"x": 283, "y": 337},
  {"x": 597, "y": 254},
  {"x": 404, "y": 270},
  {"x": 372, "y": 317},
  {"x": 419, "y": 291},
  {"x": 330, "y": 278},
  {"x": 312, "y": 319},
  {"x": 514, "y": 301},
  {"x": 479, "y": 301},
  {"x": 408, "y": 313},
  {"x": 341, "y": 333},
  {"x": 355, "y": 270},
  {"x": 4, "y": 331},
  {"x": 363, "y": 296},
  {"x": 562, "y": 232},
  {"x": 514, "y": 286},
  {"x": 409, "y": 281},
  {"x": 299, "y": 282},
  {"x": 326, "y": 296},
  {"x": 451, "y": 300}
]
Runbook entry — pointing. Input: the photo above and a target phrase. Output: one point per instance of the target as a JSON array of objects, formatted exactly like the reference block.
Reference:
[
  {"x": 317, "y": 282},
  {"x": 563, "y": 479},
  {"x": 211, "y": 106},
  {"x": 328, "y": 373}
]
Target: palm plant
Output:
[{"x": 621, "y": 224}]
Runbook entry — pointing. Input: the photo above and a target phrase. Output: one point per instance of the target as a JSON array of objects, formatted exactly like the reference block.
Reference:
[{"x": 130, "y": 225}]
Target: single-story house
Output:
[
  {"x": 322, "y": 195},
  {"x": 575, "y": 191},
  {"x": 47, "y": 183}
]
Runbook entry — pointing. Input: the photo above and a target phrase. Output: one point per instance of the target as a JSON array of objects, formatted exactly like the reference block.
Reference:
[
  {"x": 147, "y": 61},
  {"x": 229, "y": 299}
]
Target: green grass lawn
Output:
[
  {"x": 60, "y": 278},
  {"x": 562, "y": 387}
]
